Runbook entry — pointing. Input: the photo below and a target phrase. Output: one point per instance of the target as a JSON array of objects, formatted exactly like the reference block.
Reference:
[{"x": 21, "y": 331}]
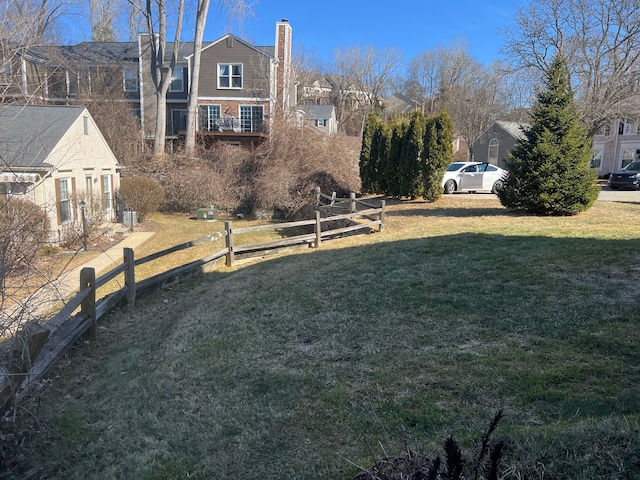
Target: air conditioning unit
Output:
[{"x": 207, "y": 214}]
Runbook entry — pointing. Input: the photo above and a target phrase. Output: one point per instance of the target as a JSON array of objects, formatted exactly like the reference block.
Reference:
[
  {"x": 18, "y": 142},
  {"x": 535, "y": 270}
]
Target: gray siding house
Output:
[
  {"x": 493, "y": 145},
  {"x": 320, "y": 117}
]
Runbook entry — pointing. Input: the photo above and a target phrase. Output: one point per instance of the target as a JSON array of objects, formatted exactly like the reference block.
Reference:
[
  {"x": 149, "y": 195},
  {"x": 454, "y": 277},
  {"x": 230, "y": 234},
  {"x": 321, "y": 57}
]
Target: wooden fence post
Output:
[
  {"x": 229, "y": 241},
  {"x": 382, "y": 205},
  {"x": 318, "y": 229},
  {"x": 129, "y": 276},
  {"x": 88, "y": 305},
  {"x": 318, "y": 196},
  {"x": 352, "y": 202}
]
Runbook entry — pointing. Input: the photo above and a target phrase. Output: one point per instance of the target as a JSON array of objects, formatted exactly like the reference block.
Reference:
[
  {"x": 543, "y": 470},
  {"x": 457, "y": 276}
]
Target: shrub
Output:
[
  {"x": 143, "y": 195},
  {"x": 24, "y": 228}
]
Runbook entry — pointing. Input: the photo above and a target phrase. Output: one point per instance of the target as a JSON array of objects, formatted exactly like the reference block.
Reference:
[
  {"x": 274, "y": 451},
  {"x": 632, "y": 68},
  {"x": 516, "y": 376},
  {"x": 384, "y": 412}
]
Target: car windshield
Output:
[
  {"x": 633, "y": 166},
  {"x": 454, "y": 167}
]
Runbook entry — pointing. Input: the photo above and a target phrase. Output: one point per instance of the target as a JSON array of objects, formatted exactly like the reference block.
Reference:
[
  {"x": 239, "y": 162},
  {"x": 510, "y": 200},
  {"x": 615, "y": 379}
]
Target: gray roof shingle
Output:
[{"x": 29, "y": 133}]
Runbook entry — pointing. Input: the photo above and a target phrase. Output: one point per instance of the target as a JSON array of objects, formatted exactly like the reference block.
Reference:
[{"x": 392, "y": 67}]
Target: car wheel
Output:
[
  {"x": 496, "y": 186},
  {"x": 449, "y": 186}
]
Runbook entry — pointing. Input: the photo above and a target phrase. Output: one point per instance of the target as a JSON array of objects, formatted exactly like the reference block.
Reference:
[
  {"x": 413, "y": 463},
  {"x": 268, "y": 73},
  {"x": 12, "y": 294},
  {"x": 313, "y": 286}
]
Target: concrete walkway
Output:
[{"x": 69, "y": 283}]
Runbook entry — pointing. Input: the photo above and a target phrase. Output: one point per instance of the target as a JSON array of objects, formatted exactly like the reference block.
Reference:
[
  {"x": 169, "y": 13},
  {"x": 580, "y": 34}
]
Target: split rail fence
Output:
[{"x": 37, "y": 347}]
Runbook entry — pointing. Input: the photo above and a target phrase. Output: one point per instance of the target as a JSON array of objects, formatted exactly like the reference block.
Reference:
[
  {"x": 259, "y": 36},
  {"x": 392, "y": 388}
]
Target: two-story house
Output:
[
  {"x": 615, "y": 146},
  {"x": 242, "y": 86}
]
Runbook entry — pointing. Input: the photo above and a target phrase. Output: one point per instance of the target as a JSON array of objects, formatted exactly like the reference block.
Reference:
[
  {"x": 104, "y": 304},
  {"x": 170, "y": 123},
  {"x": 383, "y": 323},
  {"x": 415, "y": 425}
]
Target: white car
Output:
[{"x": 472, "y": 177}]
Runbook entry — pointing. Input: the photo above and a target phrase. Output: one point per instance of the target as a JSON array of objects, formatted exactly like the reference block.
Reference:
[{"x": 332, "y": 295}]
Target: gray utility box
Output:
[{"x": 208, "y": 214}]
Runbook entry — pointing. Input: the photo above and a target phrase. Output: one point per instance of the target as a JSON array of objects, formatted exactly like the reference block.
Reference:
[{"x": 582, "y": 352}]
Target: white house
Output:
[
  {"x": 615, "y": 146},
  {"x": 56, "y": 157}
]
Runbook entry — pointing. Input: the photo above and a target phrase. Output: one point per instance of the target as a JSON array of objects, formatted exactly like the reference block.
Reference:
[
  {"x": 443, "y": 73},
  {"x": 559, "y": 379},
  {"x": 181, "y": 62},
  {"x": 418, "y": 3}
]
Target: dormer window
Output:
[
  {"x": 177, "y": 80},
  {"x": 230, "y": 75}
]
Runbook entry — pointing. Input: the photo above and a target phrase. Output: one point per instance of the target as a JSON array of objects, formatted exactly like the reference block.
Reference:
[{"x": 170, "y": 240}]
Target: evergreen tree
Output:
[
  {"x": 392, "y": 165},
  {"x": 379, "y": 154},
  {"x": 549, "y": 169},
  {"x": 437, "y": 154},
  {"x": 367, "y": 165},
  {"x": 409, "y": 165}
]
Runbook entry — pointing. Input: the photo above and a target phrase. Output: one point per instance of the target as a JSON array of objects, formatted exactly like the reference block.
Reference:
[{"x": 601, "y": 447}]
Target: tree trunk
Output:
[
  {"x": 194, "y": 81},
  {"x": 162, "y": 78}
]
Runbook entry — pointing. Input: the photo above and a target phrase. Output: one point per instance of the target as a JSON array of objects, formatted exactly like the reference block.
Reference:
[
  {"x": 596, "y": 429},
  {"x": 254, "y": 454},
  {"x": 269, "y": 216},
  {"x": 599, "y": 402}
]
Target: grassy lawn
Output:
[{"x": 307, "y": 365}]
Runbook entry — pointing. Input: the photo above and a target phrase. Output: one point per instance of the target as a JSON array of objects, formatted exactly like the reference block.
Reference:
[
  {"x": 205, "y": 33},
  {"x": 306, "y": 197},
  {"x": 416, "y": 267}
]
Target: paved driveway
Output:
[{"x": 606, "y": 195}]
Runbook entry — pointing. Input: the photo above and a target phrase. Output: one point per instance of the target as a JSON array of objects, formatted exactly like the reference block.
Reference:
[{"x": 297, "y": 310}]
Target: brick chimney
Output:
[{"x": 284, "y": 69}]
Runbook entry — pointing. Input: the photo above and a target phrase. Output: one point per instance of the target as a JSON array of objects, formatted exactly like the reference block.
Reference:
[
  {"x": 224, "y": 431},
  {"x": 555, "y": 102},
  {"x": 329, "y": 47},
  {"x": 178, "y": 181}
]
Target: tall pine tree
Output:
[{"x": 549, "y": 169}]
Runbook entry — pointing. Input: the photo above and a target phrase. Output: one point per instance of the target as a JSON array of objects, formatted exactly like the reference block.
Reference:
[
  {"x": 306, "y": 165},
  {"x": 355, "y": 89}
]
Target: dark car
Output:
[{"x": 628, "y": 177}]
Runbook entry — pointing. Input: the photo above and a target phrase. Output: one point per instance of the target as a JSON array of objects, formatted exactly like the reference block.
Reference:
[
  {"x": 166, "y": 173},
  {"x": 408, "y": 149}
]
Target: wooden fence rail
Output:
[{"x": 39, "y": 347}]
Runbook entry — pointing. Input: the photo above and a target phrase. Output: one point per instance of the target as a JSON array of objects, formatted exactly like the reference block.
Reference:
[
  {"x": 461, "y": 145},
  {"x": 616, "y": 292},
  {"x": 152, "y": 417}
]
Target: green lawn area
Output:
[{"x": 308, "y": 365}]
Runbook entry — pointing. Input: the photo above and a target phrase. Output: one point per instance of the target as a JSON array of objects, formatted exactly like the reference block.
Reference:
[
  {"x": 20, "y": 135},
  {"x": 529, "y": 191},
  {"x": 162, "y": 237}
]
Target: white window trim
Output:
[{"x": 231, "y": 65}]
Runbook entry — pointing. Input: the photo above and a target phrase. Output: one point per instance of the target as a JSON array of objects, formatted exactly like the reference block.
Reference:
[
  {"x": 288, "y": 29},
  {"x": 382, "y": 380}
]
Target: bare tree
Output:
[
  {"x": 102, "y": 16},
  {"x": 450, "y": 78},
  {"x": 600, "y": 39},
  {"x": 362, "y": 77},
  {"x": 233, "y": 7},
  {"x": 475, "y": 100},
  {"x": 156, "y": 25},
  {"x": 194, "y": 81}
]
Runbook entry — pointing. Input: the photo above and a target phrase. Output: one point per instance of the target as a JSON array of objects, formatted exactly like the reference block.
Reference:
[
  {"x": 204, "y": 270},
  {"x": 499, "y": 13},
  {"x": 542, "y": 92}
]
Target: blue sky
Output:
[{"x": 412, "y": 27}]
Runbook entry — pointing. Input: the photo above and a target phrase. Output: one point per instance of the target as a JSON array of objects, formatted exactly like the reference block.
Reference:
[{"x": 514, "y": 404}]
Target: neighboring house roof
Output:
[
  {"x": 29, "y": 133},
  {"x": 400, "y": 103},
  {"x": 317, "y": 111},
  {"x": 513, "y": 128},
  {"x": 268, "y": 51}
]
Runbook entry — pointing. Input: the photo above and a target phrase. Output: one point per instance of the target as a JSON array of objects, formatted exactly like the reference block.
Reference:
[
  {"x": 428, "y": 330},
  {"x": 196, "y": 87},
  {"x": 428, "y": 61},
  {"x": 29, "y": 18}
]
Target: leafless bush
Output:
[
  {"x": 142, "y": 194},
  {"x": 24, "y": 229},
  {"x": 299, "y": 159},
  {"x": 277, "y": 178}
]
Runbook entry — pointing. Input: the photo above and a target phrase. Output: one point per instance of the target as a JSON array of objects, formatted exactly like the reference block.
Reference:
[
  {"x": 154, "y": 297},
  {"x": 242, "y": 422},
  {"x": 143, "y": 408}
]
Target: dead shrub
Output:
[
  {"x": 276, "y": 179},
  {"x": 24, "y": 228}
]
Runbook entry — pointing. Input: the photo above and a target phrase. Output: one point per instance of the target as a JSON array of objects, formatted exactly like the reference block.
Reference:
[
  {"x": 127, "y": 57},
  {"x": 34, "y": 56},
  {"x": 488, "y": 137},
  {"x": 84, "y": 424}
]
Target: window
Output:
[
  {"x": 88, "y": 193},
  {"x": 230, "y": 75},
  {"x": 130, "y": 81},
  {"x": 66, "y": 214},
  {"x": 494, "y": 146},
  {"x": 178, "y": 121},
  {"x": 177, "y": 80},
  {"x": 252, "y": 118},
  {"x": 14, "y": 188},
  {"x": 210, "y": 118},
  {"x": 321, "y": 122},
  {"x": 85, "y": 124},
  {"x": 107, "y": 198},
  {"x": 627, "y": 128},
  {"x": 5, "y": 73},
  {"x": 629, "y": 155},
  {"x": 596, "y": 160}
]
